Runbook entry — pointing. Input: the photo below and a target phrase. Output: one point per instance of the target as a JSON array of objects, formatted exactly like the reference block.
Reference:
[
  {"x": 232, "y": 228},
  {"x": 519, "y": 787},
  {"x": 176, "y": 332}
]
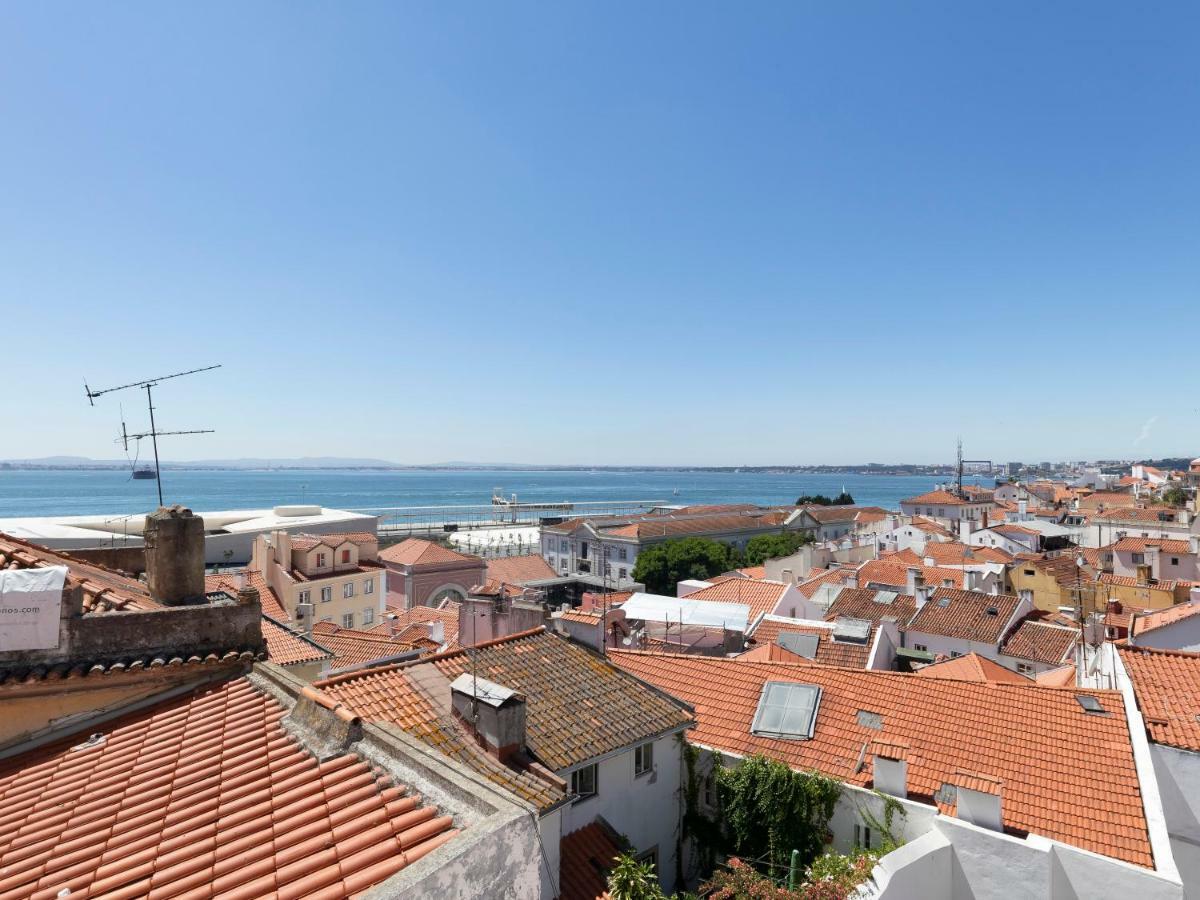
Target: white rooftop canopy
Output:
[{"x": 685, "y": 611}]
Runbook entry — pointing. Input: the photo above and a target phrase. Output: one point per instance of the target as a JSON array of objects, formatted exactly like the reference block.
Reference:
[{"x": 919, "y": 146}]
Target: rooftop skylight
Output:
[{"x": 787, "y": 710}]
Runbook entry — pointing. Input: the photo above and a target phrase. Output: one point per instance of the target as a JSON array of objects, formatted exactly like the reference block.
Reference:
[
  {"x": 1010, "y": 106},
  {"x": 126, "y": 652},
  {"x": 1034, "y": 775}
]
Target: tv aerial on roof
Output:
[{"x": 153, "y": 433}]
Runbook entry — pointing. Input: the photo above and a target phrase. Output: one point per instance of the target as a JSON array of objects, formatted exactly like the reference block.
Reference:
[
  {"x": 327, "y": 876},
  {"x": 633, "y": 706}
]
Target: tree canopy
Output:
[
  {"x": 773, "y": 546},
  {"x": 661, "y": 566},
  {"x": 842, "y": 499}
]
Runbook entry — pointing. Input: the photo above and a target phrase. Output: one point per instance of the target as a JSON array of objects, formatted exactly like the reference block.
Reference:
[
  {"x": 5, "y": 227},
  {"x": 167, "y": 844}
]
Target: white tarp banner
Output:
[
  {"x": 682, "y": 611},
  {"x": 30, "y": 605}
]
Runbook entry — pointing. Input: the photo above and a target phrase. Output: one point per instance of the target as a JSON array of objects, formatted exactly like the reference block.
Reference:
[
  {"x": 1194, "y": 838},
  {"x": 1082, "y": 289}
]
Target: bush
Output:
[{"x": 773, "y": 546}]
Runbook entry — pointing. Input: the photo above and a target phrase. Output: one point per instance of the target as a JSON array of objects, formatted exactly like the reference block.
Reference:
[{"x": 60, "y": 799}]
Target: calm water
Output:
[{"x": 48, "y": 493}]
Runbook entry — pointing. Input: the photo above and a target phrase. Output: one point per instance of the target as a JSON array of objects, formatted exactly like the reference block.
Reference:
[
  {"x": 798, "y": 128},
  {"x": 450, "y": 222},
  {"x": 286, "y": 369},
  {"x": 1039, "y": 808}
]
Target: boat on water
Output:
[{"x": 143, "y": 473}]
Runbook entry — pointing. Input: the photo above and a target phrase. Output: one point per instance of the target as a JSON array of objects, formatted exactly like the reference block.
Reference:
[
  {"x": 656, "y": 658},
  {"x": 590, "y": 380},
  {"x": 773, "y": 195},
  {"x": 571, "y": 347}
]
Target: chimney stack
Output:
[
  {"x": 891, "y": 768},
  {"x": 174, "y": 539},
  {"x": 492, "y": 712},
  {"x": 979, "y": 800},
  {"x": 912, "y": 579}
]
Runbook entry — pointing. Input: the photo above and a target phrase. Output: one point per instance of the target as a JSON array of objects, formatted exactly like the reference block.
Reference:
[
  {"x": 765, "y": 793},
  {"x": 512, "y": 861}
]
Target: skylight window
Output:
[
  {"x": 1089, "y": 703},
  {"x": 787, "y": 710},
  {"x": 801, "y": 644}
]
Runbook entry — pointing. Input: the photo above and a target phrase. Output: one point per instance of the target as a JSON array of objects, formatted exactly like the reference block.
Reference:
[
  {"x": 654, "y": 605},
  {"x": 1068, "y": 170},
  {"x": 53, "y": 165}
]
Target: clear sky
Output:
[{"x": 604, "y": 233}]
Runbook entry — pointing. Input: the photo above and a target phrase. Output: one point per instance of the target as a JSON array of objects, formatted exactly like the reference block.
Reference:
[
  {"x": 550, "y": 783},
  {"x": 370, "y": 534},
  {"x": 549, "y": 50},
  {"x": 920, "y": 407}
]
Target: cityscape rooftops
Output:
[{"x": 1029, "y": 737}]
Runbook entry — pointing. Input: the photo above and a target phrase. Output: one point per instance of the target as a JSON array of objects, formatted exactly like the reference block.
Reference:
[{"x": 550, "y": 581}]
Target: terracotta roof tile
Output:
[
  {"x": 1139, "y": 545},
  {"x": 895, "y": 575},
  {"x": 104, "y": 589},
  {"x": 355, "y": 648},
  {"x": 972, "y": 667},
  {"x": 867, "y": 603},
  {"x": 1167, "y": 686},
  {"x": 416, "y": 552},
  {"x": 965, "y": 615},
  {"x": 939, "y": 498},
  {"x": 830, "y": 651},
  {"x": 1031, "y": 737},
  {"x": 204, "y": 792},
  {"x": 1041, "y": 642},
  {"x": 286, "y": 648},
  {"x": 267, "y": 598},
  {"x": 586, "y": 857},
  {"x": 1149, "y": 621},
  {"x": 578, "y": 706},
  {"x": 761, "y": 596},
  {"x": 518, "y": 570}
]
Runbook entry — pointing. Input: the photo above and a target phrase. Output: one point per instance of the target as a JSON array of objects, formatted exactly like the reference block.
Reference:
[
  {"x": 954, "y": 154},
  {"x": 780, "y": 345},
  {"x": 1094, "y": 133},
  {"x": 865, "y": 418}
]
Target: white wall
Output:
[
  {"x": 645, "y": 809},
  {"x": 1178, "y": 775},
  {"x": 1181, "y": 635}
]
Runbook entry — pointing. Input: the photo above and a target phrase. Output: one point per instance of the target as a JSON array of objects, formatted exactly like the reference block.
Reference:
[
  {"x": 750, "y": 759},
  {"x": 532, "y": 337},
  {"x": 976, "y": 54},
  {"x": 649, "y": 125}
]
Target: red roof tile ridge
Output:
[{"x": 437, "y": 657}]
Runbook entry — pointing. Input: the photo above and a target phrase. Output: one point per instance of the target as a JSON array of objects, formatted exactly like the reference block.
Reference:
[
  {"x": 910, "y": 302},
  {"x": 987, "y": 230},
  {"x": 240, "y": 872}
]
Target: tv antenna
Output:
[{"x": 153, "y": 433}]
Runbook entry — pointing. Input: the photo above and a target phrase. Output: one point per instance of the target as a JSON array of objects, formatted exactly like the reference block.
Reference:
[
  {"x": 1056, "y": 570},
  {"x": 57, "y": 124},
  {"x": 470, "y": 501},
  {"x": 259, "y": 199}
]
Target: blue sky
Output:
[{"x": 605, "y": 233}]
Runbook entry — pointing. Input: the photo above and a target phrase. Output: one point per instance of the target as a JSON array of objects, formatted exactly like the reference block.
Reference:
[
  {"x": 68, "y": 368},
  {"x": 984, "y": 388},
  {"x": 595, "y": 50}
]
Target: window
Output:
[
  {"x": 369, "y": 586},
  {"x": 862, "y": 837},
  {"x": 650, "y": 857},
  {"x": 304, "y": 596},
  {"x": 348, "y": 589},
  {"x": 368, "y": 615},
  {"x": 345, "y": 556},
  {"x": 787, "y": 710},
  {"x": 348, "y": 620},
  {"x": 622, "y": 554},
  {"x": 1025, "y": 668},
  {"x": 607, "y": 570},
  {"x": 1174, "y": 560},
  {"x": 583, "y": 782},
  {"x": 643, "y": 759},
  {"x": 1029, "y": 572},
  {"x": 710, "y": 792},
  {"x": 607, "y": 552},
  {"x": 921, "y": 647},
  {"x": 326, "y": 594},
  {"x": 622, "y": 573},
  {"x": 1139, "y": 558},
  {"x": 564, "y": 564},
  {"x": 320, "y": 560},
  {"x": 954, "y": 654},
  {"x": 562, "y": 547}
]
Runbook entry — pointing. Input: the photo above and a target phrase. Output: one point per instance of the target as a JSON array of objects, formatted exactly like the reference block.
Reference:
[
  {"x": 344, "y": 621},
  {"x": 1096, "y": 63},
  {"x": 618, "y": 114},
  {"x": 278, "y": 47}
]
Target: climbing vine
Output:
[
  {"x": 883, "y": 827},
  {"x": 769, "y": 810},
  {"x": 698, "y": 830}
]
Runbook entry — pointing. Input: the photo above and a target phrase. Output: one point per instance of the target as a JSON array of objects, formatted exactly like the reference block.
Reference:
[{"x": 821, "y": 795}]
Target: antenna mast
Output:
[
  {"x": 153, "y": 433},
  {"x": 961, "y": 496}
]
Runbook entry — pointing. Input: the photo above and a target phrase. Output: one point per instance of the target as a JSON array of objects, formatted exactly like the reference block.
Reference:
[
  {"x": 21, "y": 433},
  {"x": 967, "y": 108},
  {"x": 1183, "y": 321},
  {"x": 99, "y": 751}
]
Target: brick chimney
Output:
[
  {"x": 492, "y": 712},
  {"x": 174, "y": 539}
]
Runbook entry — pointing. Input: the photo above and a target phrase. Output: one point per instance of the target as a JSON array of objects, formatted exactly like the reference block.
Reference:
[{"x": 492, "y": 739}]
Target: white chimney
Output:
[
  {"x": 964, "y": 530},
  {"x": 911, "y": 580},
  {"x": 1194, "y": 544},
  {"x": 891, "y": 768},
  {"x": 437, "y": 632},
  {"x": 1022, "y": 510},
  {"x": 979, "y": 800}
]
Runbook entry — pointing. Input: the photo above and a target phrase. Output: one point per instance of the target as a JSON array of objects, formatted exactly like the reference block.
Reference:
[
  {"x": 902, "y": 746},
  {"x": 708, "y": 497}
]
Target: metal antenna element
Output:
[{"x": 153, "y": 433}]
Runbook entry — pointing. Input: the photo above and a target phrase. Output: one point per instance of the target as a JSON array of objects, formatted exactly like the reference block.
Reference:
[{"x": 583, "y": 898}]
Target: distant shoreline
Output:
[{"x": 748, "y": 470}]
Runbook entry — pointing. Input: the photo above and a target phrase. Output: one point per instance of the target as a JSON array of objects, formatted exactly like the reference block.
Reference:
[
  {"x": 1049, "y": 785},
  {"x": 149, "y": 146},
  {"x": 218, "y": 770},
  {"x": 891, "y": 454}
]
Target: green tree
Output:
[
  {"x": 842, "y": 499},
  {"x": 633, "y": 880},
  {"x": 662, "y": 566},
  {"x": 773, "y": 546},
  {"x": 1174, "y": 496}
]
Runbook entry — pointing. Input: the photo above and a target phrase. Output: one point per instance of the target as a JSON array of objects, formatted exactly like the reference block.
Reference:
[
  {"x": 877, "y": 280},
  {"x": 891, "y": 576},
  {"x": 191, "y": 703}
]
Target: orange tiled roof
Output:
[
  {"x": 517, "y": 570},
  {"x": 992, "y": 555},
  {"x": 930, "y": 527},
  {"x": 104, "y": 589},
  {"x": 948, "y": 553},
  {"x": 1041, "y": 642},
  {"x": 586, "y": 857},
  {"x": 354, "y": 648},
  {"x": 286, "y": 648},
  {"x": 760, "y": 595},
  {"x": 972, "y": 667},
  {"x": 906, "y": 557},
  {"x": 830, "y": 652},
  {"x": 818, "y": 578},
  {"x": 416, "y": 552},
  {"x": 267, "y": 598},
  {"x": 1151, "y": 515},
  {"x": 1031, "y": 737},
  {"x": 895, "y": 575},
  {"x": 1131, "y": 581},
  {"x": 966, "y": 615},
  {"x": 578, "y": 707},
  {"x": 399, "y": 619},
  {"x": 865, "y": 603},
  {"x": 1139, "y": 545},
  {"x": 1167, "y": 686},
  {"x": 939, "y": 498},
  {"x": 1149, "y": 621},
  {"x": 1063, "y": 676},
  {"x": 205, "y": 793}
]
